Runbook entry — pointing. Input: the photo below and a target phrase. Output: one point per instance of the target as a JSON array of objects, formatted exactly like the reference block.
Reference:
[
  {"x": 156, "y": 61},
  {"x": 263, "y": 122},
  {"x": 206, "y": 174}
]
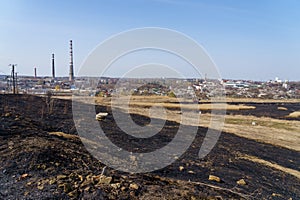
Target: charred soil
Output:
[{"x": 37, "y": 164}]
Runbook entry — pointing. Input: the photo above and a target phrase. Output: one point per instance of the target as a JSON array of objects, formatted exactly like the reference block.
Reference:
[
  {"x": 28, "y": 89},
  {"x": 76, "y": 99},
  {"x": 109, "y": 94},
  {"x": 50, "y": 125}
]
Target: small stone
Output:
[
  {"x": 102, "y": 179},
  {"x": 52, "y": 181},
  {"x": 191, "y": 172},
  {"x": 80, "y": 178},
  {"x": 181, "y": 168},
  {"x": 133, "y": 186},
  {"x": 101, "y": 116},
  {"x": 59, "y": 177},
  {"x": 241, "y": 182},
  {"x": 276, "y": 195},
  {"x": 7, "y": 114},
  {"x": 23, "y": 176},
  {"x": 40, "y": 187},
  {"x": 132, "y": 158},
  {"x": 73, "y": 194},
  {"x": 123, "y": 188},
  {"x": 115, "y": 185},
  {"x": 193, "y": 198},
  {"x": 29, "y": 183},
  {"x": 41, "y": 166},
  {"x": 214, "y": 178}
]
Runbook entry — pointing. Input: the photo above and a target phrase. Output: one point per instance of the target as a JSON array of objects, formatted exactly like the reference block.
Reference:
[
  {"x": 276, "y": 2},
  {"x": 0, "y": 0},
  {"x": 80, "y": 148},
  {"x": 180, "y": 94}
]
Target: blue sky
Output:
[{"x": 254, "y": 39}]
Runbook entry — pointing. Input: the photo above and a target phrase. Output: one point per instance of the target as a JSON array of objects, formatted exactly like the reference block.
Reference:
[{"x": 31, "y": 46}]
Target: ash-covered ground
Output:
[{"x": 39, "y": 164}]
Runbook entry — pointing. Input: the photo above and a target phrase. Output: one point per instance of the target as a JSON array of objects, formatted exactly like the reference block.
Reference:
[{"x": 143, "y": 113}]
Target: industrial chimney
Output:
[
  {"x": 35, "y": 72},
  {"x": 53, "y": 67},
  {"x": 71, "y": 73}
]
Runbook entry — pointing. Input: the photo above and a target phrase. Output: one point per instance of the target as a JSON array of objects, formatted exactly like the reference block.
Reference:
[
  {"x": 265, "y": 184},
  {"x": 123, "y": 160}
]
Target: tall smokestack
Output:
[
  {"x": 35, "y": 72},
  {"x": 71, "y": 73},
  {"x": 53, "y": 67}
]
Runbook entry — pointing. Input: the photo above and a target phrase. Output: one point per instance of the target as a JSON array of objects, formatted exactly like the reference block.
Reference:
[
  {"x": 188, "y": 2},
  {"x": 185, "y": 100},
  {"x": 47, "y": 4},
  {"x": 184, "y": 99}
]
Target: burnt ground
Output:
[
  {"x": 37, "y": 165},
  {"x": 269, "y": 110}
]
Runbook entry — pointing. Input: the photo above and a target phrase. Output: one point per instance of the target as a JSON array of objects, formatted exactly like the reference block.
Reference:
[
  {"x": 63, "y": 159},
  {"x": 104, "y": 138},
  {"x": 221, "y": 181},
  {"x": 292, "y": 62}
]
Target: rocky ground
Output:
[{"x": 43, "y": 158}]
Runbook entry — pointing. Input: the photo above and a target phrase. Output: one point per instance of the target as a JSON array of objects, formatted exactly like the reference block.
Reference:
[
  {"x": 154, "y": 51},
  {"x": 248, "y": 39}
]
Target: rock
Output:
[
  {"x": 181, "y": 168},
  {"x": 102, "y": 179},
  {"x": 73, "y": 194},
  {"x": 276, "y": 195},
  {"x": 29, "y": 183},
  {"x": 191, "y": 172},
  {"x": 52, "y": 181},
  {"x": 101, "y": 116},
  {"x": 10, "y": 144},
  {"x": 41, "y": 166},
  {"x": 80, "y": 178},
  {"x": 40, "y": 187},
  {"x": 59, "y": 177},
  {"x": 133, "y": 186},
  {"x": 214, "y": 178},
  {"x": 241, "y": 182},
  {"x": 7, "y": 114},
  {"x": 23, "y": 176},
  {"x": 116, "y": 185},
  {"x": 132, "y": 158}
]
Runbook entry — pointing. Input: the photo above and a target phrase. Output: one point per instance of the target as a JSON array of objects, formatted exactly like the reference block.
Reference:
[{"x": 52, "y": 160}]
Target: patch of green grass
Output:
[
  {"x": 269, "y": 124},
  {"x": 237, "y": 121},
  {"x": 277, "y": 125}
]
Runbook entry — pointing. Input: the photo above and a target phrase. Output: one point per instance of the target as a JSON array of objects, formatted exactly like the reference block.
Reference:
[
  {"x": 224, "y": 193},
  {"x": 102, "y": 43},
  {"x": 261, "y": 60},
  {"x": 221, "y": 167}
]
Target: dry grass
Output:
[
  {"x": 207, "y": 106},
  {"x": 173, "y": 103},
  {"x": 294, "y": 114},
  {"x": 257, "y": 100},
  {"x": 272, "y": 165},
  {"x": 64, "y": 135},
  {"x": 277, "y": 132},
  {"x": 263, "y": 122},
  {"x": 282, "y": 108}
]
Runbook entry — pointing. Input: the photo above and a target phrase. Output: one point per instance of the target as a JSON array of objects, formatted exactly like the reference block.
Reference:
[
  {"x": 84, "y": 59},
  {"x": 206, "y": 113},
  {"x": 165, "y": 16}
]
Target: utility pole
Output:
[
  {"x": 13, "y": 77},
  {"x": 16, "y": 82}
]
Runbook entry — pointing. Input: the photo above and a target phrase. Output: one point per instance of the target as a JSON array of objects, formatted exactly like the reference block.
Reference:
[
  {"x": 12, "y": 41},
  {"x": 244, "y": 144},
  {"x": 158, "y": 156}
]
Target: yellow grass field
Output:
[
  {"x": 294, "y": 114},
  {"x": 278, "y": 132}
]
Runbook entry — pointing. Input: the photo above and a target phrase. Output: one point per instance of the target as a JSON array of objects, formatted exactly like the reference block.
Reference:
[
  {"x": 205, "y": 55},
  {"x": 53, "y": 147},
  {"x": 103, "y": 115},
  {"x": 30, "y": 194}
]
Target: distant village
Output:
[
  {"x": 197, "y": 89},
  {"x": 105, "y": 87}
]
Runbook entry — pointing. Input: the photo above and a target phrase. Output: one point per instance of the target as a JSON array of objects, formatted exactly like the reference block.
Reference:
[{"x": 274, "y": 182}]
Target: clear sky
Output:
[{"x": 247, "y": 39}]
